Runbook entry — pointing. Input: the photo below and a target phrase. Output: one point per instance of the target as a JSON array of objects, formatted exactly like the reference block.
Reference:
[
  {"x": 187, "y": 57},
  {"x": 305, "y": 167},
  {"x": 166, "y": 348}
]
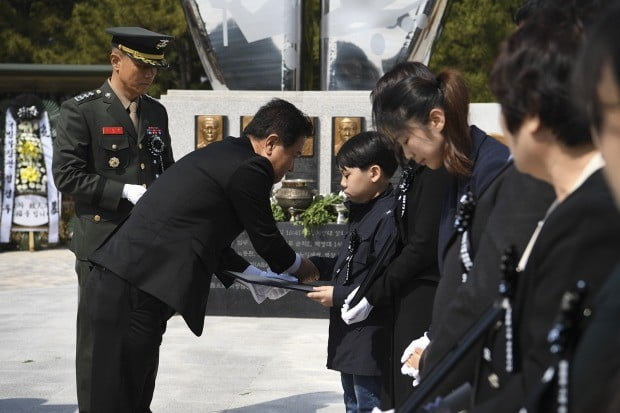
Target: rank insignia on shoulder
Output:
[
  {"x": 114, "y": 162},
  {"x": 86, "y": 96},
  {"x": 112, "y": 130}
]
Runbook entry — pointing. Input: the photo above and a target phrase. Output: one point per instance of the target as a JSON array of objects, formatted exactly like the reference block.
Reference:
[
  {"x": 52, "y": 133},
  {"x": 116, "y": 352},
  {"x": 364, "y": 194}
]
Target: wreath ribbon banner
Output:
[
  {"x": 8, "y": 196},
  {"x": 6, "y": 217},
  {"x": 53, "y": 196}
]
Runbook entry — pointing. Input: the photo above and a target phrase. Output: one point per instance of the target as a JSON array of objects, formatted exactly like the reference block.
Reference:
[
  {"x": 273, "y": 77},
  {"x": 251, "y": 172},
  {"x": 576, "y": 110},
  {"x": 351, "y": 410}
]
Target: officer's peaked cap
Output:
[{"x": 141, "y": 44}]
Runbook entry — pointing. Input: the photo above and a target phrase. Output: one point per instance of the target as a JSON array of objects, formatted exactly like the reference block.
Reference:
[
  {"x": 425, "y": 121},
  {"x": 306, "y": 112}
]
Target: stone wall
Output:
[{"x": 184, "y": 105}]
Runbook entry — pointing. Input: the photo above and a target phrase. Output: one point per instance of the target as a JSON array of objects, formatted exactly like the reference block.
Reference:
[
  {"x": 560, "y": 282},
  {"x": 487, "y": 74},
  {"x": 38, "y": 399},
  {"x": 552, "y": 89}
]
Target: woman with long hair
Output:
[{"x": 426, "y": 116}]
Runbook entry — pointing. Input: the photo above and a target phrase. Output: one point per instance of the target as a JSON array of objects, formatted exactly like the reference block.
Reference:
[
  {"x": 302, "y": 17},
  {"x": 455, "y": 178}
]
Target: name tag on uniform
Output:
[{"x": 112, "y": 130}]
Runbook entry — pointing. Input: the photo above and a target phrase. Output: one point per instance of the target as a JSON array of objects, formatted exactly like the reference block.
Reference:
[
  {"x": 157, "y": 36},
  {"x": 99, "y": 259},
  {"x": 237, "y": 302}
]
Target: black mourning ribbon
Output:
[
  {"x": 464, "y": 212},
  {"x": 462, "y": 222},
  {"x": 406, "y": 179},
  {"x": 156, "y": 148},
  {"x": 354, "y": 243}
]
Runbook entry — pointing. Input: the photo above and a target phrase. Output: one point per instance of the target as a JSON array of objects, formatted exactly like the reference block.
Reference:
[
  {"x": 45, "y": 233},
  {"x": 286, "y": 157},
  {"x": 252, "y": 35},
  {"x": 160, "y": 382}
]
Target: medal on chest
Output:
[{"x": 156, "y": 146}]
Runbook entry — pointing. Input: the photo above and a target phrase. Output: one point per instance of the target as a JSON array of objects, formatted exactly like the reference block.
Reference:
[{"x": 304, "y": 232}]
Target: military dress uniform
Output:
[{"x": 97, "y": 151}]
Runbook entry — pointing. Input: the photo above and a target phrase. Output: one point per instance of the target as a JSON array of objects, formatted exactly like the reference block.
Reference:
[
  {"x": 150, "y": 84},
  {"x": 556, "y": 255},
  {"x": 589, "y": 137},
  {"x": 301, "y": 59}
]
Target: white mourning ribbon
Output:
[
  {"x": 53, "y": 196},
  {"x": 8, "y": 194},
  {"x": 10, "y": 160}
]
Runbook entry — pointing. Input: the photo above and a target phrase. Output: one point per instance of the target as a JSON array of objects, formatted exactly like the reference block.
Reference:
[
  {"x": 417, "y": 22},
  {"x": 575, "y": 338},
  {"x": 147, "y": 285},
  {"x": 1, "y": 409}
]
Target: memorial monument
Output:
[{"x": 251, "y": 52}]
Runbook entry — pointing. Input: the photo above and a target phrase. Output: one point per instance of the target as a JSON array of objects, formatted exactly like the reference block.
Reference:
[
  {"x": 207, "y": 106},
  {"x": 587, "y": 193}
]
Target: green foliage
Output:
[
  {"x": 73, "y": 32},
  {"x": 321, "y": 211},
  {"x": 470, "y": 40},
  {"x": 278, "y": 213}
]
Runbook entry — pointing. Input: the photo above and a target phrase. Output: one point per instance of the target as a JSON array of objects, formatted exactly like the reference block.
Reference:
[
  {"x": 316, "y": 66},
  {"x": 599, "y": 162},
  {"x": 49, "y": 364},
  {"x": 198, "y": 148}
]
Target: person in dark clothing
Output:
[
  {"x": 595, "y": 373},
  {"x": 579, "y": 236},
  {"x": 427, "y": 117},
  {"x": 161, "y": 259},
  {"x": 413, "y": 272},
  {"x": 112, "y": 143},
  {"x": 505, "y": 216},
  {"x": 359, "y": 353}
]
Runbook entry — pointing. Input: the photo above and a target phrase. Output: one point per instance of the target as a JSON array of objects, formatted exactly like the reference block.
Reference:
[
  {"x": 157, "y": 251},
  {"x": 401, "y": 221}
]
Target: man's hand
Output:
[
  {"x": 355, "y": 314},
  {"x": 307, "y": 271},
  {"x": 133, "y": 192},
  {"x": 261, "y": 292},
  {"x": 323, "y": 295}
]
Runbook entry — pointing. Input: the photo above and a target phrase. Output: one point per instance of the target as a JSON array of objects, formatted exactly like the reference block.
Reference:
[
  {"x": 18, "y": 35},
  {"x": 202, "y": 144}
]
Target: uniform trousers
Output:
[
  {"x": 84, "y": 340},
  {"x": 127, "y": 329}
]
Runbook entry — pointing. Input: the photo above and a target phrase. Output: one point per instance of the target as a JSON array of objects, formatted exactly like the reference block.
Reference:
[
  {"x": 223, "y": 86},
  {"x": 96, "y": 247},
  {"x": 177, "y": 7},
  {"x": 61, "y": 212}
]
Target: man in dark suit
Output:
[
  {"x": 161, "y": 259},
  {"x": 112, "y": 143}
]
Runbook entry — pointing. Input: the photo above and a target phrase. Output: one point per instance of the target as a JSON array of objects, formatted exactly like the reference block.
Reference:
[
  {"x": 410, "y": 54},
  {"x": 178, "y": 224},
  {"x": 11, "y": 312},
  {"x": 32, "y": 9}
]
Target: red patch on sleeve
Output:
[{"x": 112, "y": 130}]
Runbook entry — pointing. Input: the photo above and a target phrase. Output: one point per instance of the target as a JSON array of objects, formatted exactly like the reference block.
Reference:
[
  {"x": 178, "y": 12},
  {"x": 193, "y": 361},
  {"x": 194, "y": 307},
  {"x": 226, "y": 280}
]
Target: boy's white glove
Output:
[
  {"x": 133, "y": 192},
  {"x": 419, "y": 343},
  {"x": 357, "y": 313},
  {"x": 261, "y": 292}
]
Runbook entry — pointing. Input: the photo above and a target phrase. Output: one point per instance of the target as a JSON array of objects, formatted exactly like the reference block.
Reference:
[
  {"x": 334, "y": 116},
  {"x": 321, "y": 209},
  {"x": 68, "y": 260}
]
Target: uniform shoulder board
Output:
[
  {"x": 152, "y": 99},
  {"x": 87, "y": 96}
]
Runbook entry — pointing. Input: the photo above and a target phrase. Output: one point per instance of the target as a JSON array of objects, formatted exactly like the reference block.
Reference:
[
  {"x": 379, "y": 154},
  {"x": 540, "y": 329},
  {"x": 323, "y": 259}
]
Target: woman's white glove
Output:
[
  {"x": 357, "y": 313},
  {"x": 261, "y": 292},
  {"x": 421, "y": 344}
]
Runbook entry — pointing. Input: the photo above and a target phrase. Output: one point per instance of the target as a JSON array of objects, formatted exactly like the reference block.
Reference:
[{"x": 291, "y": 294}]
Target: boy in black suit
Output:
[{"x": 359, "y": 352}]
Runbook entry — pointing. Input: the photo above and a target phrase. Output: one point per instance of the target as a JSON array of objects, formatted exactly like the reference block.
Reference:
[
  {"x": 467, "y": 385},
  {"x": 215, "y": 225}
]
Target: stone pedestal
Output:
[{"x": 237, "y": 300}]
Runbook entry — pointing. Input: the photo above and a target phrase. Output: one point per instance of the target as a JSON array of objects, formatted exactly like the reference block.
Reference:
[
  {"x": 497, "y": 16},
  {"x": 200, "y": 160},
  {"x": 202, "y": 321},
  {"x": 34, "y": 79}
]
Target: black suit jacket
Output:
[
  {"x": 579, "y": 240},
  {"x": 488, "y": 157},
  {"x": 180, "y": 231},
  {"x": 417, "y": 250},
  {"x": 595, "y": 372},
  {"x": 506, "y": 215},
  {"x": 359, "y": 348},
  {"x": 408, "y": 284}
]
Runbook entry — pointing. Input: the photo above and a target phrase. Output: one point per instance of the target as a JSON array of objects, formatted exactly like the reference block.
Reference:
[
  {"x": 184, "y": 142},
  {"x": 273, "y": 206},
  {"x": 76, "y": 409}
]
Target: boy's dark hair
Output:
[
  {"x": 366, "y": 149},
  {"x": 282, "y": 118},
  {"x": 531, "y": 76},
  {"x": 601, "y": 50}
]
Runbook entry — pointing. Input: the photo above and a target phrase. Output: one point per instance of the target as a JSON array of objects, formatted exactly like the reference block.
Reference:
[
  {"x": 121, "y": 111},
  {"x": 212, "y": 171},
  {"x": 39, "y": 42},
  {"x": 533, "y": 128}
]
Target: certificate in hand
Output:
[{"x": 271, "y": 282}]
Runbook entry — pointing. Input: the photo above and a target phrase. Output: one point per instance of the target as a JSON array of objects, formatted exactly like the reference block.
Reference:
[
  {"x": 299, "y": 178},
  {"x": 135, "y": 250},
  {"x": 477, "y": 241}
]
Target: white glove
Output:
[
  {"x": 407, "y": 370},
  {"x": 377, "y": 410},
  {"x": 133, "y": 192},
  {"x": 285, "y": 277},
  {"x": 358, "y": 313},
  {"x": 261, "y": 292}
]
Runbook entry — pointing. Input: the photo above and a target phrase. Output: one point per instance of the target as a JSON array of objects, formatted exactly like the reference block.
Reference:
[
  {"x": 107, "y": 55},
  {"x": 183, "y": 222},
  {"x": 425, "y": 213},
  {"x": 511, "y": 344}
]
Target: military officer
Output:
[{"x": 112, "y": 143}]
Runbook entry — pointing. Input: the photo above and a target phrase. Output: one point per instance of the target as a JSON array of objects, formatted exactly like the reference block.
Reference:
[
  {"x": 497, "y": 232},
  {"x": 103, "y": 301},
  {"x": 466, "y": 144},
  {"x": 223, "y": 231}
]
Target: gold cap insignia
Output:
[{"x": 114, "y": 162}]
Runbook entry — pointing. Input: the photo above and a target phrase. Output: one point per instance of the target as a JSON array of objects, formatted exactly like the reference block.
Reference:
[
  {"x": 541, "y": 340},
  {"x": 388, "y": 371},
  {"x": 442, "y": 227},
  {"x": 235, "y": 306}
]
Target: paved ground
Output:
[{"x": 238, "y": 365}]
